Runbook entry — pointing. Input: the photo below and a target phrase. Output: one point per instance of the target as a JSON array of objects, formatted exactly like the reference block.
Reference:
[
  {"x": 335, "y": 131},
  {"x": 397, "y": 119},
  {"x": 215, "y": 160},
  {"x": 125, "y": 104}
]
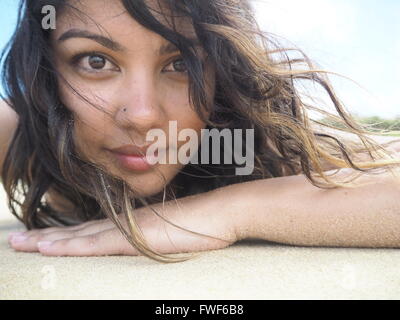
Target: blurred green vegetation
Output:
[{"x": 390, "y": 127}]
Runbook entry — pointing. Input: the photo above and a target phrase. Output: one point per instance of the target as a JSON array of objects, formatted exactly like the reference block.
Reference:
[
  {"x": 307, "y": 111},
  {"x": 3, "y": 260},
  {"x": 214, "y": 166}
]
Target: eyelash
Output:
[{"x": 78, "y": 57}]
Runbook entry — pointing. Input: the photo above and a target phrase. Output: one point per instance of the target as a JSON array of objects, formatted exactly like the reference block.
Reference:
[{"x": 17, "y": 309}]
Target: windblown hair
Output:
[{"x": 256, "y": 88}]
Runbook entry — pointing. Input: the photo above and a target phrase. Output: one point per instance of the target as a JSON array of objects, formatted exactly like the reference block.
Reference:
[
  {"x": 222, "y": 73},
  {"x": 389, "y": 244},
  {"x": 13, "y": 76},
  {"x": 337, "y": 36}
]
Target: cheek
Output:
[
  {"x": 176, "y": 103},
  {"x": 91, "y": 112},
  {"x": 89, "y": 122},
  {"x": 187, "y": 117}
]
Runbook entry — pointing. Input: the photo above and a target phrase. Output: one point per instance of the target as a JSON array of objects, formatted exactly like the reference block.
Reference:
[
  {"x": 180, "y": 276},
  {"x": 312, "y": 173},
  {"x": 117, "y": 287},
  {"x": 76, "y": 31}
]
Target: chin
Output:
[
  {"x": 143, "y": 191},
  {"x": 152, "y": 183}
]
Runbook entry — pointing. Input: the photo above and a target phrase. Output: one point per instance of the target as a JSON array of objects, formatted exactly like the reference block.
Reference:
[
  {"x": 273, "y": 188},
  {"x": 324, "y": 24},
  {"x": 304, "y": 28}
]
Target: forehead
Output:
[{"x": 112, "y": 18}]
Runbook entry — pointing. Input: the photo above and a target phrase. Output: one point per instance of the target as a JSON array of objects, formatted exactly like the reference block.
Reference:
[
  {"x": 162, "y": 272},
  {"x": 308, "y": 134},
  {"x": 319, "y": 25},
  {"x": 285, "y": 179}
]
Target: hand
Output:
[{"x": 101, "y": 237}]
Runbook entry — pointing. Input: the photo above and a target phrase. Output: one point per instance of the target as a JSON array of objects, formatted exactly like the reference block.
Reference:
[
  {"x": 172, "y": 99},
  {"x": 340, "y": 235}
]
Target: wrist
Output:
[{"x": 231, "y": 203}]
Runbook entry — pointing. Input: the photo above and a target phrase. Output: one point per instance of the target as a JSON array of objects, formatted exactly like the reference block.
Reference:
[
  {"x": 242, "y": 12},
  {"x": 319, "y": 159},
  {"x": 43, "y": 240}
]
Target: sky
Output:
[{"x": 359, "y": 39}]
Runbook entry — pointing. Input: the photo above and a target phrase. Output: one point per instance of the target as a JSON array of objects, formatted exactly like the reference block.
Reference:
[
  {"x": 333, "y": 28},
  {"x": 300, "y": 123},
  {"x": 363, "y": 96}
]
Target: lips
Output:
[
  {"x": 132, "y": 157},
  {"x": 131, "y": 150}
]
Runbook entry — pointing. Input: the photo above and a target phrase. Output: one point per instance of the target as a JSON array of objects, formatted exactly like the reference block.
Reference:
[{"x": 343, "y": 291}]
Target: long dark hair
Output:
[{"x": 255, "y": 89}]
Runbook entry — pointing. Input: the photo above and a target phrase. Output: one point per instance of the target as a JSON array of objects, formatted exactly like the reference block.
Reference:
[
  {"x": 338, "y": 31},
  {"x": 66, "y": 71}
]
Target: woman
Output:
[{"x": 86, "y": 94}]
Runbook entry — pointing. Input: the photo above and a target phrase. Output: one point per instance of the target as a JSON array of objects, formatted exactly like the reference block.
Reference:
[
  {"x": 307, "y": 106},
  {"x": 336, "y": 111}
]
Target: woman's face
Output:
[{"x": 134, "y": 75}]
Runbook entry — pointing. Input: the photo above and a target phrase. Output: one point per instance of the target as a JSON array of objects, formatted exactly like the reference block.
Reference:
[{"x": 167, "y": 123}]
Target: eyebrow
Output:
[
  {"x": 169, "y": 47},
  {"x": 104, "y": 41},
  {"x": 165, "y": 49}
]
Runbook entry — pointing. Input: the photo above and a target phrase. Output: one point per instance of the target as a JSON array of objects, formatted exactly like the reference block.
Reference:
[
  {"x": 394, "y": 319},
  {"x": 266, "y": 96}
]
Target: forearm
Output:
[{"x": 291, "y": 210}]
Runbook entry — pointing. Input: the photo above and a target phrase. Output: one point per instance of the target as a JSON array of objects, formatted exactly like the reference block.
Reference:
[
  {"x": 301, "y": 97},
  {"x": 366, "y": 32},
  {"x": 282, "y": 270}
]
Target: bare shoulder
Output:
[{"x": 8, "y": 124}]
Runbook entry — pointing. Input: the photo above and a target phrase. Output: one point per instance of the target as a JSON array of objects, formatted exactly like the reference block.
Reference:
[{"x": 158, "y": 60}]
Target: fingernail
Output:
[
  {"x": 18, "y": 239},
  {"x": 13, "y": 234},
  {"x": 44, "y": 244}
]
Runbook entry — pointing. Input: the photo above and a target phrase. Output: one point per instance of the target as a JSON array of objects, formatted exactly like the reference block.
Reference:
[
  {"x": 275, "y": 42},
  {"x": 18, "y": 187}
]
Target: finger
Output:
[
  {"x": 29, "y": 243},
  {"x": 90, "y": 226},
  {"x": 66, "y": 228},
  {"x": 108, "y": 242},
  {"x": 85, "y": 229}
]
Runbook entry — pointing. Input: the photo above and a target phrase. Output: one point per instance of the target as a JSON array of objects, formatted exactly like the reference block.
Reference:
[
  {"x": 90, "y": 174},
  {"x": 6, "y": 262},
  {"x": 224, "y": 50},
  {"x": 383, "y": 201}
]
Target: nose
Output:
[{"x": 139, "y": 108}]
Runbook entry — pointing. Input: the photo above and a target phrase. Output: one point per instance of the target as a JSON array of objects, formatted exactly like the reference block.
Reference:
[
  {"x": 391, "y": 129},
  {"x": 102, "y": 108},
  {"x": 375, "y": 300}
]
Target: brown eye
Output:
[
  {"x": 180, "y": 66},
  {"x": 97, "y": 62},
  {"x": 92, "y": 62}
]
